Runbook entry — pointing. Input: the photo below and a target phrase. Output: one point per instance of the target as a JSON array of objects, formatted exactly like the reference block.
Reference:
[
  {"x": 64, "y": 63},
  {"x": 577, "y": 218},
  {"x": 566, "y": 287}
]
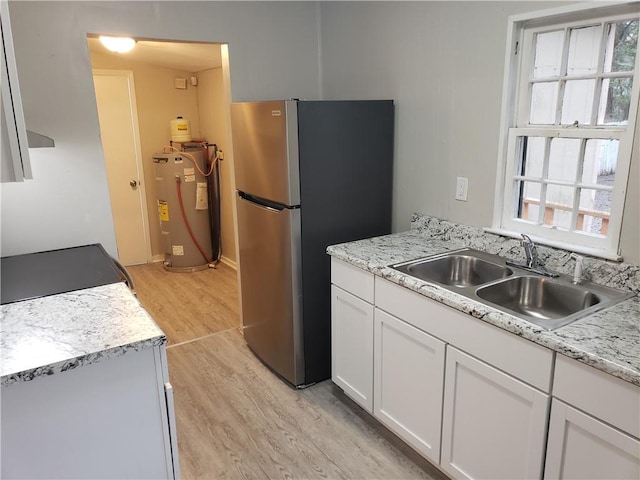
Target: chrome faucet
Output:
[
  {"x": 530, "y": 251},
  {"x": 532, "y": 262}
]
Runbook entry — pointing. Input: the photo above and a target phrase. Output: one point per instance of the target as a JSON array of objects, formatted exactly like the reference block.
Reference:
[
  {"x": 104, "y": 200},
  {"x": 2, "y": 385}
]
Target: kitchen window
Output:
[{"x": 569, "y": 115}]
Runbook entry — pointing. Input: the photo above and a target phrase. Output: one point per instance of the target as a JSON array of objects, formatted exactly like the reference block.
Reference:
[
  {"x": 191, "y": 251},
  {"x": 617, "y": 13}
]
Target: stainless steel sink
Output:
[
  {"x": 486, "y": 278},
  {"x": 456, "y": 269},
  {"x": 547, "y": 303}
]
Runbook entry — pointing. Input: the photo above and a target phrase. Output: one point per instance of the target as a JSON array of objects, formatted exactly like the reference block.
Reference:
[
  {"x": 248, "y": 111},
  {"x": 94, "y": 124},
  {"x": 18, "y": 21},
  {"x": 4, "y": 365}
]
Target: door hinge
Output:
[{"x": 515, "y": 52}]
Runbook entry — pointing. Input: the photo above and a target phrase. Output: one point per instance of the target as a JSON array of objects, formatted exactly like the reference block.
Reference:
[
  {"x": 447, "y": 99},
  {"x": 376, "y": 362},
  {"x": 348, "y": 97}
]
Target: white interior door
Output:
[{"x": 117, "y": 112}]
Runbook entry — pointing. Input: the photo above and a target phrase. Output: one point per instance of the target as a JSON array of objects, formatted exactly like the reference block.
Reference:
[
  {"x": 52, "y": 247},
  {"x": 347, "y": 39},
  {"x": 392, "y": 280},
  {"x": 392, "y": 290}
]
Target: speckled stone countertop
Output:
[
  {"x": 53, "y": 334},
  {"x": 608, "y": 340}
]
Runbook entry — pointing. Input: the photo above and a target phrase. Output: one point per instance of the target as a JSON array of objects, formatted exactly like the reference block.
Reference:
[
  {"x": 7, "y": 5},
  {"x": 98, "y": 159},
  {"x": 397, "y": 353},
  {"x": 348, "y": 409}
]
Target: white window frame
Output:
[{"x": 514, "y": 102}]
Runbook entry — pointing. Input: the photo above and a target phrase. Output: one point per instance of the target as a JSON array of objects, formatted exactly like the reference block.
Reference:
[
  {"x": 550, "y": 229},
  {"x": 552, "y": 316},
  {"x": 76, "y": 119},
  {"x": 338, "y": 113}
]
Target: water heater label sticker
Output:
[
  {"x": 163, "y": 211},
  {"x": 189, "y": 174},
  {"x": 177, "y": 249},
  {"x": 201, "y": 196}
]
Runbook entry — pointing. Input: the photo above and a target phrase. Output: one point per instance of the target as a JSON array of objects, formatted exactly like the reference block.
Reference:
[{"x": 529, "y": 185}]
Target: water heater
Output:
[{"x": 183, "y": 209}]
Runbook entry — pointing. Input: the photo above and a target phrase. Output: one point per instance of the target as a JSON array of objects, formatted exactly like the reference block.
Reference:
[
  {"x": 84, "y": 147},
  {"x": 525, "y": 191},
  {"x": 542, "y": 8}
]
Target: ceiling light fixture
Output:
[{"x": 118, "y": 44}]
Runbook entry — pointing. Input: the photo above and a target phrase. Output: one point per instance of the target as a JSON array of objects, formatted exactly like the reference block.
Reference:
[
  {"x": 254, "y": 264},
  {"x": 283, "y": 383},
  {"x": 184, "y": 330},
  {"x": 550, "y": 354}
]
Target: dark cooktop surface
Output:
[{"x": 34, "y": 275}]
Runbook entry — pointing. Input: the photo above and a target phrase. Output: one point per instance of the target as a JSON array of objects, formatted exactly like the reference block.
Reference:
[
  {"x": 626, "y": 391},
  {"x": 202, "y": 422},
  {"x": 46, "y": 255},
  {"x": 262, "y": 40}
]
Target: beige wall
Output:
[
  {"x": 214, "y": 126},
  {"x": 158, "y": 103}
]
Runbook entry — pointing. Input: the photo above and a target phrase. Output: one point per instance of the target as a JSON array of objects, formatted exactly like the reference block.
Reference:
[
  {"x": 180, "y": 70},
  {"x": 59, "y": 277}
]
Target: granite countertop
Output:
[
  {"x": 53, "y": 334},
  {"x": 608, "y": 340}
]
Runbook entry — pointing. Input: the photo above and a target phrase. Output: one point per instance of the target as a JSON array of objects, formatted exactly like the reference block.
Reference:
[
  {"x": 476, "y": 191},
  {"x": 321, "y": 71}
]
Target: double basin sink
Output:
[{"x": 548, "y": 303}]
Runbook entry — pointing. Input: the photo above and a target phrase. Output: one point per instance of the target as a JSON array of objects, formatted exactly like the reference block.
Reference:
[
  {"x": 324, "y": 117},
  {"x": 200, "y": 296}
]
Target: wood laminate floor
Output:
[
  {"x": 188, "y": 306},
  {"x": 235, "y": 418}
]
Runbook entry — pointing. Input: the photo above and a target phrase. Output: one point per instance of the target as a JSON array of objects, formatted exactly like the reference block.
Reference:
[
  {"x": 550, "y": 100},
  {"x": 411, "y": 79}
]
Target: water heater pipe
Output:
[
  {"x": 186, "y": 222},
  {"x": 213, "y": 190}
]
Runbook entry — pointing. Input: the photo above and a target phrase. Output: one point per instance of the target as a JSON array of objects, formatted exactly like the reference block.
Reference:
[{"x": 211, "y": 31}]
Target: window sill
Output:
[{"x": 561, "y": 245}]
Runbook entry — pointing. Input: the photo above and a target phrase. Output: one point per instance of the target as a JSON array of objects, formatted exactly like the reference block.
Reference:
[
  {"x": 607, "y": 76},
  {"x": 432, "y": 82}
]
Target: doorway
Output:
[{"x": 173, "y": 79}]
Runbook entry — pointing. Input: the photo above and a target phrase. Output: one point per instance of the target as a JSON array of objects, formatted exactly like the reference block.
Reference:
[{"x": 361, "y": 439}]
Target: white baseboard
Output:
[
  {"x": 223, "y": 259},
  {"x": 229, "y": 262}
]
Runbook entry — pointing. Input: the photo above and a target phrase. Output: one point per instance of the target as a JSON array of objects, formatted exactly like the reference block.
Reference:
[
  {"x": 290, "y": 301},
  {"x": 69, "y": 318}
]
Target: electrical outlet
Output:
[{"x": 462, "y": 185}]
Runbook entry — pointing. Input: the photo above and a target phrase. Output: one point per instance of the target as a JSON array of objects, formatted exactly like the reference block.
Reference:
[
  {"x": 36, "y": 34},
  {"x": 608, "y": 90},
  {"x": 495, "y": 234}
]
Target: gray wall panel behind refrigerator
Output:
[{"x": 346, "y": 168}]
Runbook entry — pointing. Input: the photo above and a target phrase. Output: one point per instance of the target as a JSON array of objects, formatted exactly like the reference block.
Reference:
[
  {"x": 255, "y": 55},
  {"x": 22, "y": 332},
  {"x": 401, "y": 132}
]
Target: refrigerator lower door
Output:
[{"x": 270, "y": 286}]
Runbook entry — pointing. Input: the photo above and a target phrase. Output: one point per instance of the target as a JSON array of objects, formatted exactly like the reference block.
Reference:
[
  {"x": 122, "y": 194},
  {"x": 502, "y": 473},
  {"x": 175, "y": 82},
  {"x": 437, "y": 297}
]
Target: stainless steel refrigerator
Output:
[{"x": 309, "y": 174}]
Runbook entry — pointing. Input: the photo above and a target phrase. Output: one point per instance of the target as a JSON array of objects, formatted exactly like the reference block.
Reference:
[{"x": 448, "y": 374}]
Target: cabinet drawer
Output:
[
  {"x": 523, "y": 359},
  {"x": 609, "y": 398},
  {"x": 352, "y": 279}
]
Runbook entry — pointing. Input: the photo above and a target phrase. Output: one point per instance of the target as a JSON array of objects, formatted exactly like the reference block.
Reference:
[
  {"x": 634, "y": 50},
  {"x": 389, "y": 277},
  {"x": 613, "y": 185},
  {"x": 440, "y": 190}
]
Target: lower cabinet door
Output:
[
  {"x": 494, "y": 426},
  {"x": 352, "y": 346},
  {"x": 408, "y": 383},
  {"x": 582, "y": 447}
]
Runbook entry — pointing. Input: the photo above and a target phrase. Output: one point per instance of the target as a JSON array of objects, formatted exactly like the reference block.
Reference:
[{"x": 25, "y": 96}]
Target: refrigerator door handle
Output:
[{"x": 263, "y": 202}]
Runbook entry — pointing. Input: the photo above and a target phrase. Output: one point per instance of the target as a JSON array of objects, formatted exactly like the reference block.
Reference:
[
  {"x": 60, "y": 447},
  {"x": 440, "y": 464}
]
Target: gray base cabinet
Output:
[{"x": 110, "y": 419}]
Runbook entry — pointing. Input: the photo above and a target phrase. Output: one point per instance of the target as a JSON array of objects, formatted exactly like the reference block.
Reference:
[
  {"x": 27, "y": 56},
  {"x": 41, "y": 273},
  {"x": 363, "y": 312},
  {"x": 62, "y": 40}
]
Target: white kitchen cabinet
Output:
[
  {"x": 494, "y": 426},
  {"x": 582, "y": 447},
  {"x": 352, "y": 346},
  {"x": 352, "y": 332},
  {"x": 408, "y": 383},
  {"x": 595, "y": 425},
  {"x": 15, "y": 165},
  {"x": 109, "y": 419}
]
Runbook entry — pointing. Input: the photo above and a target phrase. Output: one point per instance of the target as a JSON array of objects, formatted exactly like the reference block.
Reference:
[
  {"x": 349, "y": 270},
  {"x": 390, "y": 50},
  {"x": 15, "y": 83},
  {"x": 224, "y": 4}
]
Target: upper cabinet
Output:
[{"x": 16, "y": 140}]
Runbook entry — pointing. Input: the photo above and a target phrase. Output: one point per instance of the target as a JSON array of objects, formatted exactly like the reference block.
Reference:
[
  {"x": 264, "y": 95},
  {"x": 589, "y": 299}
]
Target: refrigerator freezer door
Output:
[
  {"x": 265, "y": 150},
  {"x": 270, "y": 266}
]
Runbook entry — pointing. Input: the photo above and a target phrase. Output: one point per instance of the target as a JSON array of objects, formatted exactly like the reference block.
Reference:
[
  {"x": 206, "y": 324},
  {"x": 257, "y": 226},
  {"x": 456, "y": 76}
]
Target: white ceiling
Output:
[{"x": 190, "y": 57}]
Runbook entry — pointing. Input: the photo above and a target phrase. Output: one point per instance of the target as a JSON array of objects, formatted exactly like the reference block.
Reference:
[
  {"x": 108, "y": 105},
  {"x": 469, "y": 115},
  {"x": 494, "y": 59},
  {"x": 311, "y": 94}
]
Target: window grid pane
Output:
[
  {"x": 620, "y": 48},
  {"x": 575, "y": 86},
  {"x": 544, "y": 103},
  {"x": 615, "y": 101},
  {"x": 584, "y": 49},
  {"x": 565, "y": 183},
  {"x": 600, "y": 161}
]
